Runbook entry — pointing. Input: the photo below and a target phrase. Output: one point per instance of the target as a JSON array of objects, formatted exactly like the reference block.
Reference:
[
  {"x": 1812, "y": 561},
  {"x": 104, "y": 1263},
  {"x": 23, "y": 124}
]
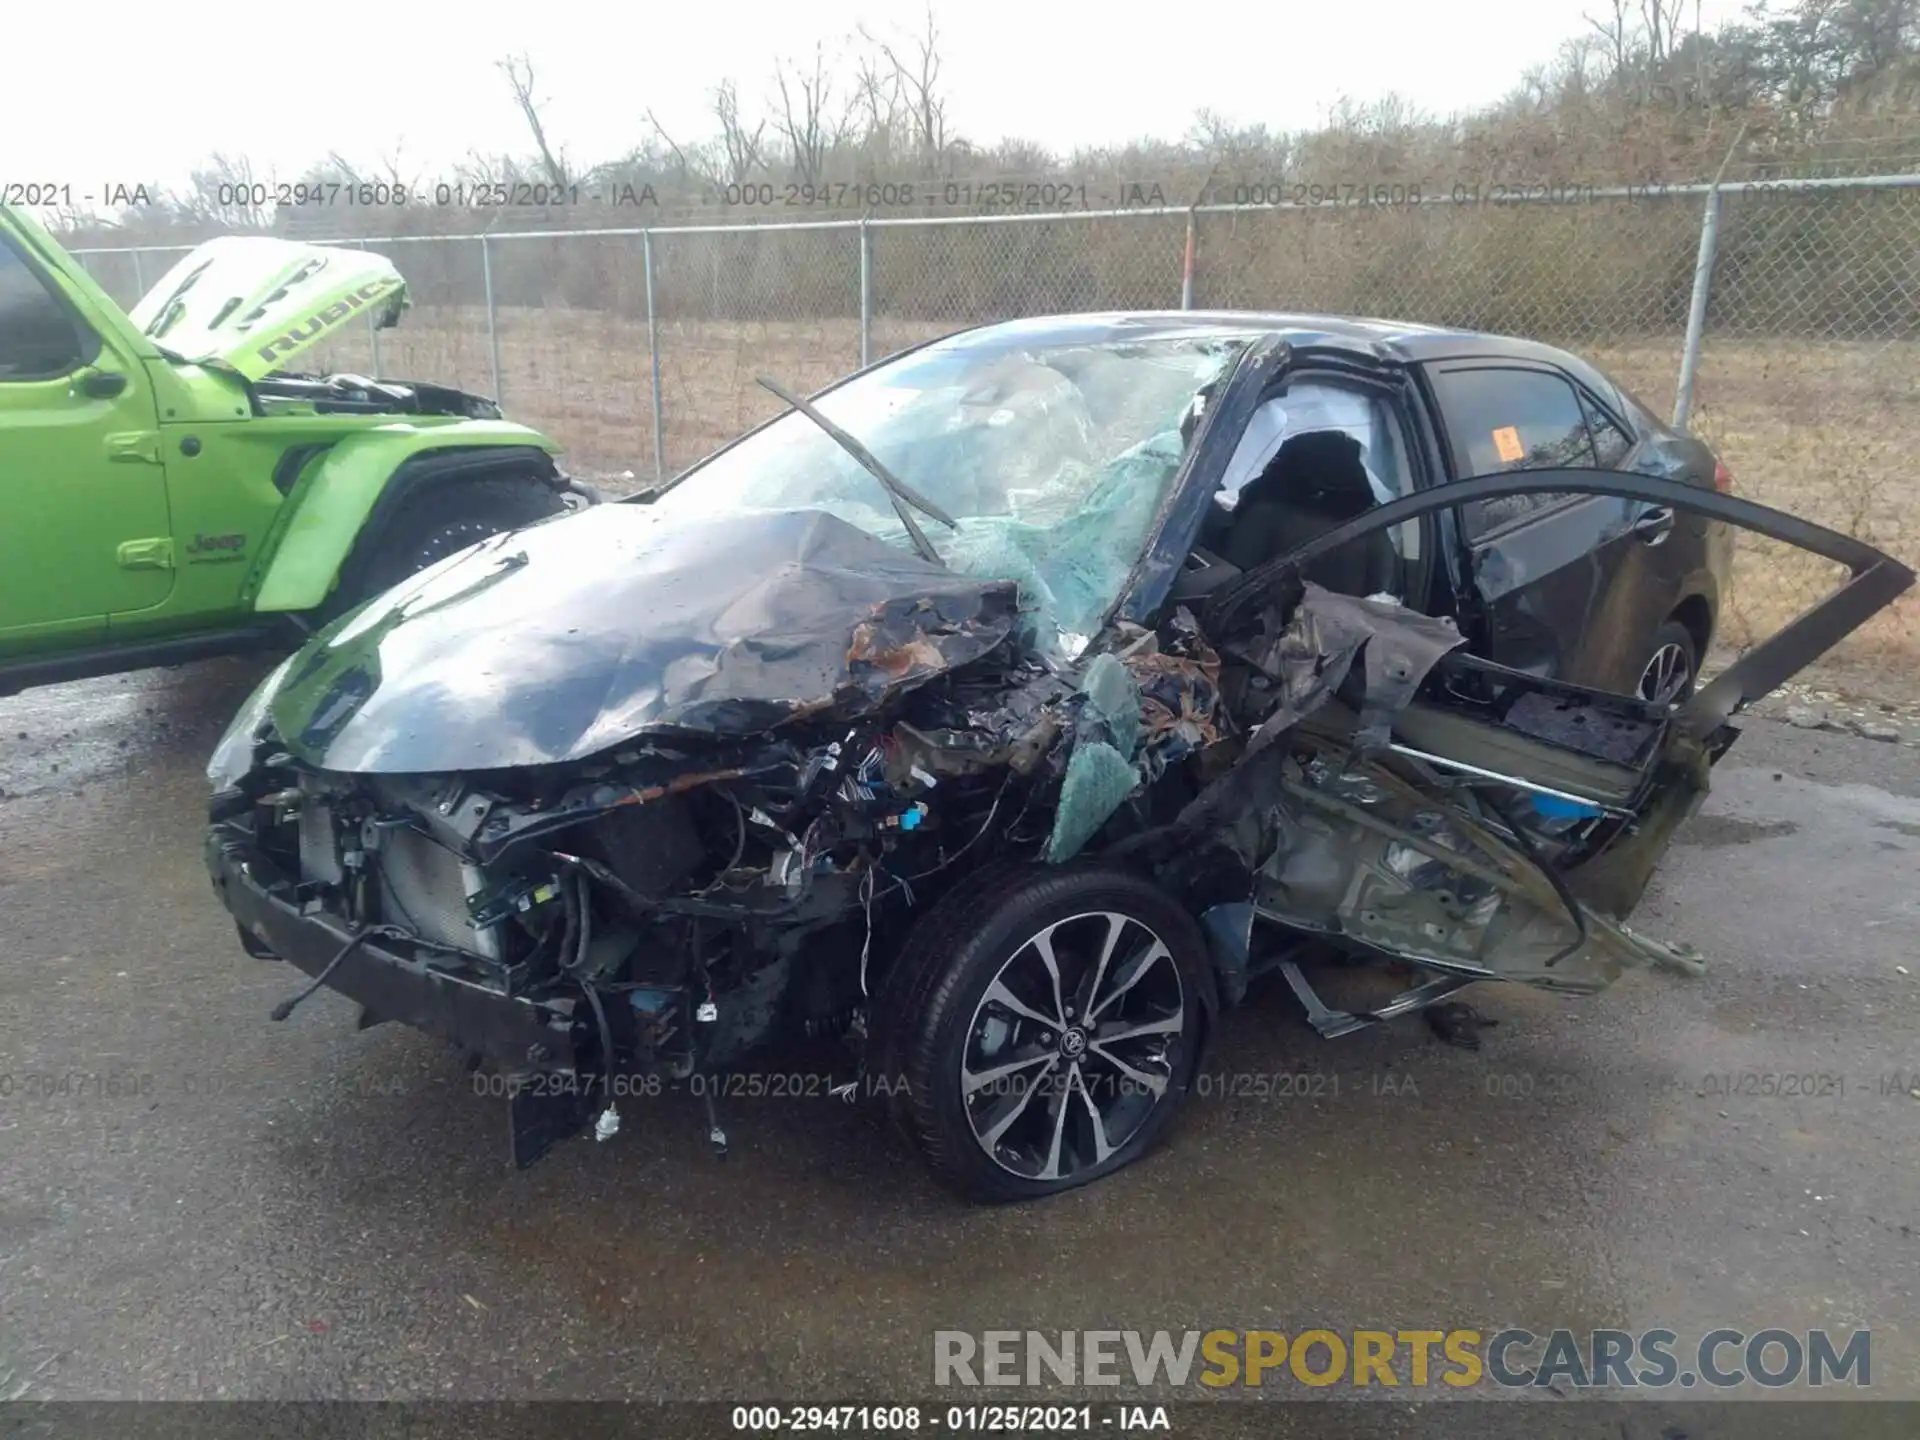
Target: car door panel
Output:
[
  {"x": 1573, "y": 590},
  {"x": 1357, "y": 844},
  {"x": 1568, "y": 586},
  {"x": 1875, "y": 579},
  {"x": 84, "y": 529}
]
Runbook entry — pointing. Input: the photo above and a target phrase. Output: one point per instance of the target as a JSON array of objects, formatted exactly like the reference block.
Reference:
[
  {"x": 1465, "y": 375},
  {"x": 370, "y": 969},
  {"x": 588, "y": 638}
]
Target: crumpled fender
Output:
[{"x": 337, "y": 492}]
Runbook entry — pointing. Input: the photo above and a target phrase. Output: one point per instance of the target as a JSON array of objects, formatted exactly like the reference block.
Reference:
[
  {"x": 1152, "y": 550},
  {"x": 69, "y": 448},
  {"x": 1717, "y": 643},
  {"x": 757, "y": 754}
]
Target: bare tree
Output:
[
  {"x": 803, "y": 123},
  {"x": 741, "y": 148},
  {"x": 876, "y": 96},
  {"x": 483, "y": 170},
  {"x": 711, "y": 161},
  {"x": 1661, "y": 20},
  {"x": 519, "y": 72},
  {"x": 680, "y": 157},
  {"x": 871, "y": 119},
  {"x": 338, "y": 167},
  {"x": 390, "y": 166},
  {"x": 1241, "y": 152},
  {"x": 223, "y": 192},
  {"x": 1616, "y": 36},
  {"x": 722, "y": 160},
  {"x": 918, "y": 76}
]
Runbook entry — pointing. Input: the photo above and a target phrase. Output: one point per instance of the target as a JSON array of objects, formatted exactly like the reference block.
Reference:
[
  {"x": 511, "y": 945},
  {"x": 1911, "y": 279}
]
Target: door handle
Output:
[
  {"x": 154, "y": 554},
  {"x": 141, "y": 446},
  {"x": 1654, "y": 526}
]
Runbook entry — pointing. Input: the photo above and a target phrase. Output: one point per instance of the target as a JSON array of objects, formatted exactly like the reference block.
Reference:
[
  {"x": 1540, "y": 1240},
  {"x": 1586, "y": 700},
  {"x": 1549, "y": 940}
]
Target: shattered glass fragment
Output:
[
  {"x": 1099, "y": 780},
  {"x": 1112, "y": 704},
  {"x": 1101, "y": 773}
]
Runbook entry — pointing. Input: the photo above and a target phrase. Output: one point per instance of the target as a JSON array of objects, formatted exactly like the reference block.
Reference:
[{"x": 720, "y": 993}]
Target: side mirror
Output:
[{"x": 99, "y": 384}]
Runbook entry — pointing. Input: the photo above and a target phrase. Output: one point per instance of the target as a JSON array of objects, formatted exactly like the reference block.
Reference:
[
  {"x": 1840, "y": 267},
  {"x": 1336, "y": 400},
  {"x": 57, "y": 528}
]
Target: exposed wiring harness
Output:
[{"x": 578, "y": 925}]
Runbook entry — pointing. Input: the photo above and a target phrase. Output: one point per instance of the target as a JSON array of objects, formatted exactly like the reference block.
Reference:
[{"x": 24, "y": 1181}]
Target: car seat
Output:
[{"x": 1315, "y": 482}]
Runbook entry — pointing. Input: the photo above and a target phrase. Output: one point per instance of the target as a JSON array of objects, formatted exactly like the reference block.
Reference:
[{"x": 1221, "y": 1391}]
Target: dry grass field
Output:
[{"x": 1827, "y": 430}]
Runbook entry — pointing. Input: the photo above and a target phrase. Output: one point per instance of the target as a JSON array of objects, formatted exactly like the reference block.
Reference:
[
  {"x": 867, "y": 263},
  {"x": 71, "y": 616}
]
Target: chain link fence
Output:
[
  {"x": 1808, "y": 386},
  {"x": 1781, "y": 320}
]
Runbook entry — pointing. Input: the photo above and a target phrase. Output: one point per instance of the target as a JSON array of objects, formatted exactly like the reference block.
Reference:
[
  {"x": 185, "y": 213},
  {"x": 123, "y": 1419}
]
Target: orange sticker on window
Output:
[{"x": 1506, "y": 443}]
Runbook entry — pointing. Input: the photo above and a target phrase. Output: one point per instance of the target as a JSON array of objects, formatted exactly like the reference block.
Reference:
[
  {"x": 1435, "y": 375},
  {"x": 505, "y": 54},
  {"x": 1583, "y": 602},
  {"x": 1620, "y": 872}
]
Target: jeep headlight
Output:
[{"x": 232, "y": 758}]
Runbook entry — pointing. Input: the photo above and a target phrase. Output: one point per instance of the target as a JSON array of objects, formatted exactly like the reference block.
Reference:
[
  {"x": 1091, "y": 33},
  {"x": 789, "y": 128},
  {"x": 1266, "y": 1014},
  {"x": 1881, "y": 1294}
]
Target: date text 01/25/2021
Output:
[{"x": 957, "y": 1419}]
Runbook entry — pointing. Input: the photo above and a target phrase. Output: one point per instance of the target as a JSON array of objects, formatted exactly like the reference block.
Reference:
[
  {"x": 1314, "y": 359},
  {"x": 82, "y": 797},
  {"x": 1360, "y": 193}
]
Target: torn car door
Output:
[{"x": 1408, "y": 799}]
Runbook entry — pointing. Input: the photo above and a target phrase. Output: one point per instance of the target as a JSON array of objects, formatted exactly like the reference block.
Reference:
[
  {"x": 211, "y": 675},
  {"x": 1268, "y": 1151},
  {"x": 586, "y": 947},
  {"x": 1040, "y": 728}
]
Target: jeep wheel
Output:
[
  {"x": 447, "y": 519},
  {"x": 1051, "y": 1025}
]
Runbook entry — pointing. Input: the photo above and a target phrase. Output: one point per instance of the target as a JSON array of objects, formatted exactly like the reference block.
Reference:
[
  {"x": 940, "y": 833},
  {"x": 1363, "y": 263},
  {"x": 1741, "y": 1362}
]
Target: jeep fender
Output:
[{"x": 345, "y": 494}]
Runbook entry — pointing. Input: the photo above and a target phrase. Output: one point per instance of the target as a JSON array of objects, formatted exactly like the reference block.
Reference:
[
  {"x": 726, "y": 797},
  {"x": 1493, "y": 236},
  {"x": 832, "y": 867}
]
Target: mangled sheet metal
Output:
[
  {"x": 1179, "y": 680},
  {"x": 1337, "y": 835},
  {"x": 1306, "y": 650},
  {"x": 1357, "y": 850},
  {"x": 557, "y": 642}
]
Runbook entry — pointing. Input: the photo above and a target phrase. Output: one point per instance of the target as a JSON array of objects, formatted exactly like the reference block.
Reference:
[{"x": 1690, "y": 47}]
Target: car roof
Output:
[{"x": 1401, "y": 341}]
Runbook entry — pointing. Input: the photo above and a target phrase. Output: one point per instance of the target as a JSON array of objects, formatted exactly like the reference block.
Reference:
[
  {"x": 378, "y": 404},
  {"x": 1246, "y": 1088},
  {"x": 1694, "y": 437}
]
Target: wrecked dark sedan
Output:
[{"x": 985, "y": 713}]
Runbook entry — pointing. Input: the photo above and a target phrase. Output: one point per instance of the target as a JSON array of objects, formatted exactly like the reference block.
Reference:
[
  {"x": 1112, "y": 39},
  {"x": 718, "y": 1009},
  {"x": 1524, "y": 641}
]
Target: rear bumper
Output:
[{"x": 515, "y": 1033}]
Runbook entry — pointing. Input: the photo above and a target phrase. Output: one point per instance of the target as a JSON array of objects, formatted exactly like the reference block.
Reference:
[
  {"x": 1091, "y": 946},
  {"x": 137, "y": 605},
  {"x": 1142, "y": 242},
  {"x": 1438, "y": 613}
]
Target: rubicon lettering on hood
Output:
[{"x": 298, "y": 337}]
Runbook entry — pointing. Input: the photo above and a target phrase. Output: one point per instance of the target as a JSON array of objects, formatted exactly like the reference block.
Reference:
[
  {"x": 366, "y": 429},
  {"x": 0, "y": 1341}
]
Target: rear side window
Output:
[
  {"x": 37, "y": 335},
  {"x": 1610, "y": 442},
  {"x": 1499, "y": 420}
]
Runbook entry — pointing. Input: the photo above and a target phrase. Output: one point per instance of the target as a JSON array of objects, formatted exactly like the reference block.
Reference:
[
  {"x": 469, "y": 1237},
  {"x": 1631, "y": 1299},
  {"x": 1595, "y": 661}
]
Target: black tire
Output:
[
  {"x": 447, "y": 518},
  {"x": 1671, "y": 667},
  {"x": 939, "y": 1018}
]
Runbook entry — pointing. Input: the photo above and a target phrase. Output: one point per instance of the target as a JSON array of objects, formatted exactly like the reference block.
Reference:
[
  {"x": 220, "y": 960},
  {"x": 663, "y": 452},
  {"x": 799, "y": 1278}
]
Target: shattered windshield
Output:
[{"x": 1053, "y": 457}]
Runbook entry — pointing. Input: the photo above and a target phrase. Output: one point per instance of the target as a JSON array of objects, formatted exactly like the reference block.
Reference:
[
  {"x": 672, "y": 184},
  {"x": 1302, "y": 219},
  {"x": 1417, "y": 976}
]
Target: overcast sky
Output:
[{"x": 149, "y": 89}]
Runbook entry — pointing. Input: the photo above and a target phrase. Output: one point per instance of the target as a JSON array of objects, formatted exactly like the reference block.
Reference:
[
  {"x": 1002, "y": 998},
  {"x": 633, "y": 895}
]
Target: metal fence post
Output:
[
  {"x": 493, "y": 324},
  {"x": 139, "y": 281},
  {"x": 653, "y": 359},
  {"x": 866, "y": 294},
  {"x": 1186, "y": 265},
  {"x": 373, "y": 338},
  {"x": 1697, "y": 310}
]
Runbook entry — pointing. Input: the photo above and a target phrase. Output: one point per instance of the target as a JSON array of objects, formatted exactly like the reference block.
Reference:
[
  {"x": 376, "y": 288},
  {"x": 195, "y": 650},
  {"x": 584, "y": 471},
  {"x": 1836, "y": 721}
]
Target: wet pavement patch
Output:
[{"x": 1718, "y": 830}]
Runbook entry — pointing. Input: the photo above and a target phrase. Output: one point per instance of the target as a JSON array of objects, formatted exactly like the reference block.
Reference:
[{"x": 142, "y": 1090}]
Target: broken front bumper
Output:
[{"x": 515, "y": 1033}]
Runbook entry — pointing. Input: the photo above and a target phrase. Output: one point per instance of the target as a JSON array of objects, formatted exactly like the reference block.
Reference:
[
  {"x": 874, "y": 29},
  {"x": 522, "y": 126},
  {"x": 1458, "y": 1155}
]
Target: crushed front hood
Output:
[
  {"x": 253, "y": 303},
  {"x": 553, "y": 643}
]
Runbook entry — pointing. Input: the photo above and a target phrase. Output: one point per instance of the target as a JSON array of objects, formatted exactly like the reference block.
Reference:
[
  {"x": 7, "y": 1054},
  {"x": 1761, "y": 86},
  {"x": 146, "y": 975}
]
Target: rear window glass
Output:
[
  {"x": 1500, "y": 420},
  {"x": 1610, "y": 442}
]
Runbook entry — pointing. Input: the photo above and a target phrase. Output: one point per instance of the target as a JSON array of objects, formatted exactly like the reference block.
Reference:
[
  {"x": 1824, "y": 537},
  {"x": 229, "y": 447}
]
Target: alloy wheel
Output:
[
  {"x": 1667, "y": 676},
  {"x": 1074, "y": 1044}
]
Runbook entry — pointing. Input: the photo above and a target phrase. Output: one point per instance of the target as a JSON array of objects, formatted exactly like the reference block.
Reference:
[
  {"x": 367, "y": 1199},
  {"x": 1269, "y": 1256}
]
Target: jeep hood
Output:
[
  {"x": 553, "y": 643},
  {"x": 252, "y": 303}
]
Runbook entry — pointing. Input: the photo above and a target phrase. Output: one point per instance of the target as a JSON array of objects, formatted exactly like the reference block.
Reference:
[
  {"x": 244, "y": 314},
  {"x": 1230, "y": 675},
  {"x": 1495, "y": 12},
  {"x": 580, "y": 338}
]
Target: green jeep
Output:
[{"x": 169, "y": 490}]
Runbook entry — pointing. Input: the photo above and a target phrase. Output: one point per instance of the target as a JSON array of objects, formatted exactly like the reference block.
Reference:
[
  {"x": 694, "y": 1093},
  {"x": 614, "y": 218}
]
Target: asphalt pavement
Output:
[{"x": 210, "y": 1204}]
